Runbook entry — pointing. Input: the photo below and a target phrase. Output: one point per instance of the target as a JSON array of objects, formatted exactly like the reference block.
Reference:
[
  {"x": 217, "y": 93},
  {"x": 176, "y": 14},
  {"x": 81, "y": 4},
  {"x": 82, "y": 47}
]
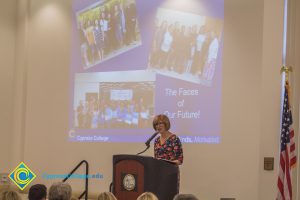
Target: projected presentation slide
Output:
[{"x": 134, "y": 59}]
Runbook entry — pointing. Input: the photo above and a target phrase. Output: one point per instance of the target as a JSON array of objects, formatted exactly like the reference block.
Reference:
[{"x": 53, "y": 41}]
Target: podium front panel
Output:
[
  {"x": 149, "y": 174},
  {"x": 129, "y": 180}
]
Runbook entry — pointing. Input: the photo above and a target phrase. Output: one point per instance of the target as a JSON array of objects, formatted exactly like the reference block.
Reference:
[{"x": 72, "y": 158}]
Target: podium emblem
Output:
[{"x": 129, "y": 182}]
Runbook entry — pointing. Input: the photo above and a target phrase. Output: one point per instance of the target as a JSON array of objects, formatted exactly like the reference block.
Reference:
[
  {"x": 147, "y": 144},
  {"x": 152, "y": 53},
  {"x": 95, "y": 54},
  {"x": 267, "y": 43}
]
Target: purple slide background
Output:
[{"x": 206, "y": 129}]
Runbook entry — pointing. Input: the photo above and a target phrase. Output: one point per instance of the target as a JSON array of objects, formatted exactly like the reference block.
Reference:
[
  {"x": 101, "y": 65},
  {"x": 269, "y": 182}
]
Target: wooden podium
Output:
[{"x": 133, "y": 175}]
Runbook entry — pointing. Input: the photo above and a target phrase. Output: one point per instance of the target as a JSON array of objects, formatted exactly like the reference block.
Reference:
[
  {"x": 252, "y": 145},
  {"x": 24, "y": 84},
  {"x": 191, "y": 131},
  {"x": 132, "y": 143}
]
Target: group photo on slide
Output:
[
  {"x": 116, "y": 105},
  {"x": 185, "y": 46},
  {"x": 106, "y": 29}
]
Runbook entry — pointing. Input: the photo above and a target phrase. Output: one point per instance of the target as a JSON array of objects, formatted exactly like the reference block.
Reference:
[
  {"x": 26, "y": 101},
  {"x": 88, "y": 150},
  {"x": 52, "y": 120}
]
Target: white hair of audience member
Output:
[
  {"x": 147, "y": 196},
  {"x": 185, "y": 197},
  {"x": 60, "y": 191},
  {"x": 9, "y": 195}
]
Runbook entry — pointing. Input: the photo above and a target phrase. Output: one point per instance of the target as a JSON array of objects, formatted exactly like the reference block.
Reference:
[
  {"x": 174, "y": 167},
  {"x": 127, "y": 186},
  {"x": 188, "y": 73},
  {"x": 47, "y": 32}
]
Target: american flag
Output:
[{"x": 287, "y": 150}]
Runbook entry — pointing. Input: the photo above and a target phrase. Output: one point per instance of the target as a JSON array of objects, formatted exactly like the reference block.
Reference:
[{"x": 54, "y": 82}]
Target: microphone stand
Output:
[
  {"x": 148, "y": 146},
  {"x": 148, "y": 143}
]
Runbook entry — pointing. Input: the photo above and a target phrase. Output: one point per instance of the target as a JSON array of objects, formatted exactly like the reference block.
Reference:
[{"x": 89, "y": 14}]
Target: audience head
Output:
[
  {"x": 185, "y": 197},
  {"x": 60, "y": 191},
  {"x": 147, "y": 196},
  {"x": 74, "y": 198},
  {"x": 37, "y": 192},
  {"x": 9, "y": 195},
  {"x": 106, "y": 196}
]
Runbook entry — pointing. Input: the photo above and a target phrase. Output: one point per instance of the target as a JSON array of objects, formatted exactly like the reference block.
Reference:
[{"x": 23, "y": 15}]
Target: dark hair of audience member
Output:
[
  {"x": 37, "y": 192},
  {"x": 185, "y": 197}
]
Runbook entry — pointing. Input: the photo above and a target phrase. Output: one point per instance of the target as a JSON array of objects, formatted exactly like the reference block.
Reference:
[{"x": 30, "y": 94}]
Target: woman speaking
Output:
[{"x": 167, "y": 146}]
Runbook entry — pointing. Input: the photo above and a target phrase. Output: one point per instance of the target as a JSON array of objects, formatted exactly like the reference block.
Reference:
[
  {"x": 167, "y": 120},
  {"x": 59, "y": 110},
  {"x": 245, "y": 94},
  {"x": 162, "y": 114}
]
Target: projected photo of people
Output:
[
  {"x": 123, "y": 104},
  {"x": 185, "y": 46},
  {"x": 107, "y": 29}
]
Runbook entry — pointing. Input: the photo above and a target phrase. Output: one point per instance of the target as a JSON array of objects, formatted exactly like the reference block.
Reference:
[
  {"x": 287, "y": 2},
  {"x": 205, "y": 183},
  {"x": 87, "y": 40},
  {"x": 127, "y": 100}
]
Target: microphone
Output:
[{"x": 150, "y": 139}]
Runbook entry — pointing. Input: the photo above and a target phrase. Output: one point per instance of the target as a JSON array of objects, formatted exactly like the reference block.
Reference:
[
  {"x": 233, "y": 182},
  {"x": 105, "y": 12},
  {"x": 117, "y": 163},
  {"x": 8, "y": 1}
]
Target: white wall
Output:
[
  {"x": 7, "y": 62},
  {"x": 270, "y": 96},
  {"x": 250, "y": 104}
]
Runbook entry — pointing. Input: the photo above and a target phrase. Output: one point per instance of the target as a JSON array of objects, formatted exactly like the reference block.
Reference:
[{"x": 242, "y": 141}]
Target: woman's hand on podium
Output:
[{"x": 176, "y": 162}]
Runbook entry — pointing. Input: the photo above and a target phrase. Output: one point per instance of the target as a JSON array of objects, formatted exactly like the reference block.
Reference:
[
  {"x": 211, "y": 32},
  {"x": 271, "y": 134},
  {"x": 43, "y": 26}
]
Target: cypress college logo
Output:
[{"x": 22, "y": 176}]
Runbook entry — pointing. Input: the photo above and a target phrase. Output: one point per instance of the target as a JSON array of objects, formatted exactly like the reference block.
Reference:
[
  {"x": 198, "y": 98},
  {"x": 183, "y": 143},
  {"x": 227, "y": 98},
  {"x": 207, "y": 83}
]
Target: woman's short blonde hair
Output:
[
  {"x": 9, "y": 195},
  {"x": 147, "y": 196},
  {"x": 161, "y": 118},
  {"x": 106, "y": 196}
]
